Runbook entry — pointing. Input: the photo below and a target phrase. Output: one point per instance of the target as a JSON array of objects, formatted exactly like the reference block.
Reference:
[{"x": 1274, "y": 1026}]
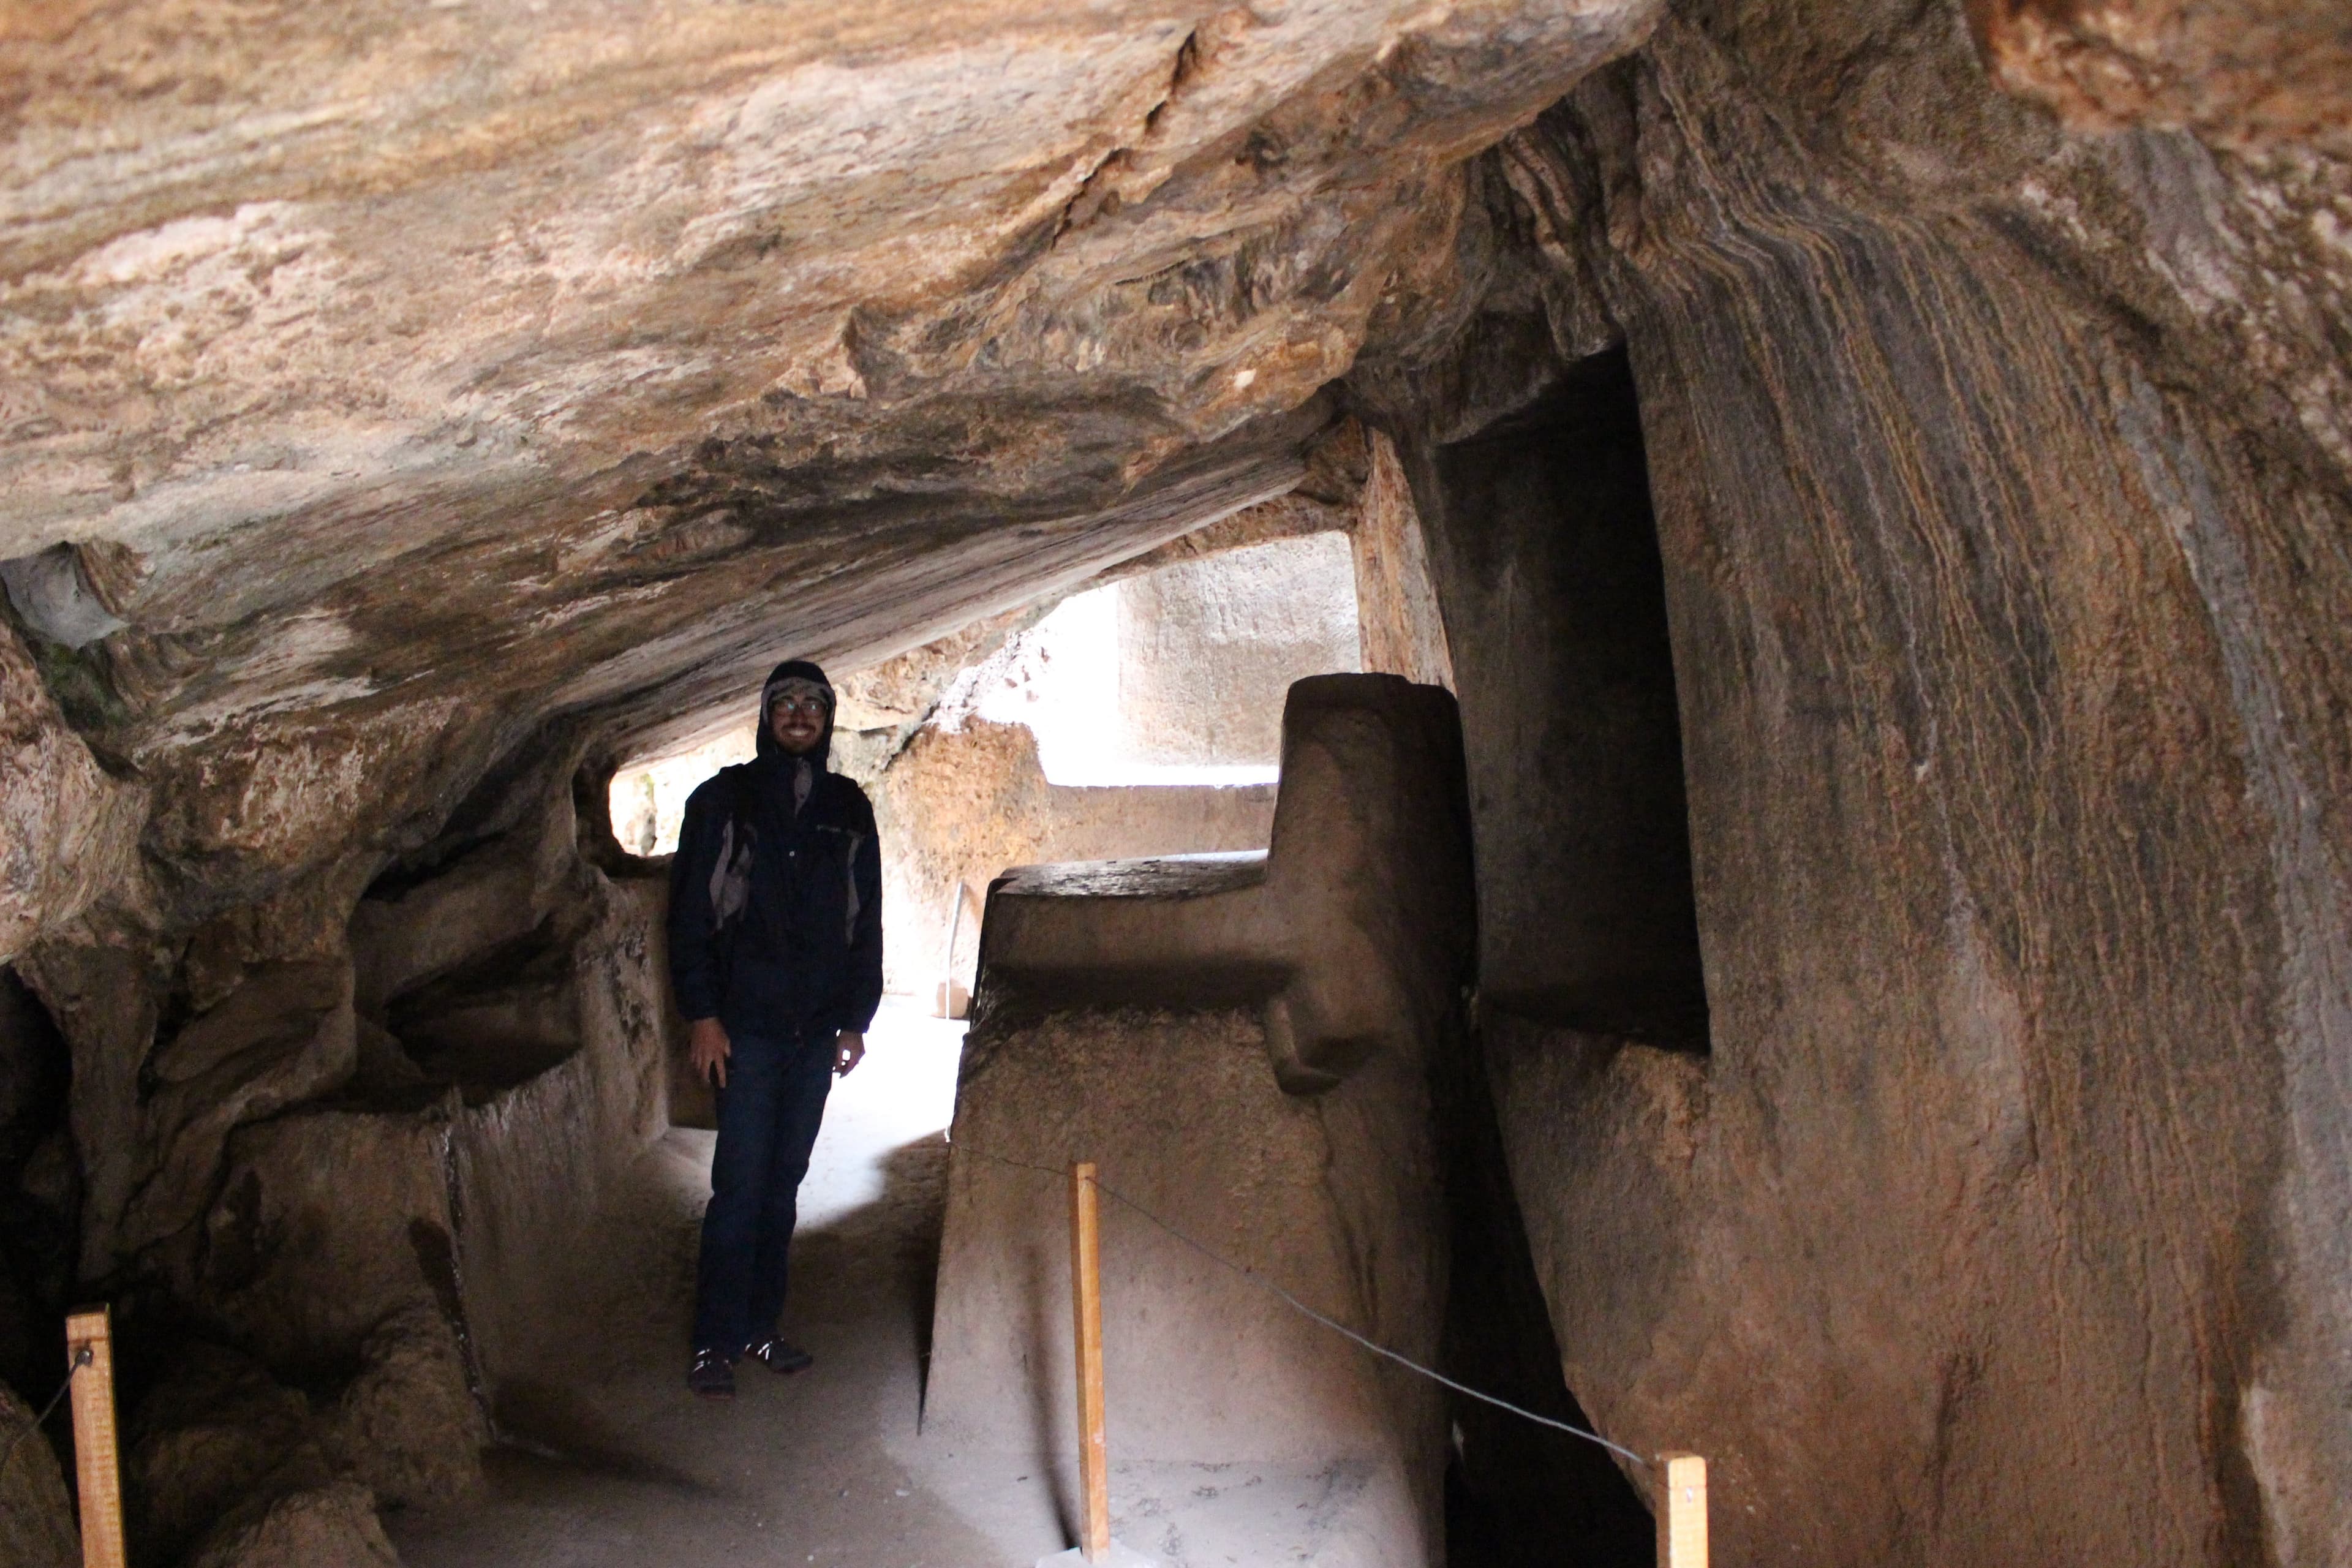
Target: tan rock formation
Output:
[
  {"x": 676, "y": 291},
  {"x": 72, "y": 828},
  {"x": 1914, "y": 968},
  {"x": 205, "y": 1442},
  {"x": 963, "y": 806},
  {"x": 2269, "y": 72},
  {"x": 1299, "y": 1142},
  {"x": 2008, "y": 682},
  {"x": 1400, "y": 624},
  {"x": 1219, "y": 1385},
  {"x": 408, "y": 1427}
]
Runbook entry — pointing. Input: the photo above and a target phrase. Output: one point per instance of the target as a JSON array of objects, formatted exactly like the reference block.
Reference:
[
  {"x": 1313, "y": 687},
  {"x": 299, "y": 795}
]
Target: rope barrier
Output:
[
  {"x": 1255, "y": 1277},
  {"x": 8, "y": 1455}
]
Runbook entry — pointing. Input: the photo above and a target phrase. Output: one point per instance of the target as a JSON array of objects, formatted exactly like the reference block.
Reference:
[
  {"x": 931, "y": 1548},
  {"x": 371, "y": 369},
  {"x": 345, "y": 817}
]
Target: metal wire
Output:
[
  {"x": 1268, "y": 1286},
  {"x": 8, "y": 1455}
]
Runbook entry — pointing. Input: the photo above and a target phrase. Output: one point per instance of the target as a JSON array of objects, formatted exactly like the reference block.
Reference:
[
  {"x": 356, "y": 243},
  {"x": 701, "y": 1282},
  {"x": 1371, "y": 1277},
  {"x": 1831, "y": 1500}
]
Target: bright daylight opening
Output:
[
  {"x": 1177, "y": 677},
  {"x": 1174, "y": 677}
]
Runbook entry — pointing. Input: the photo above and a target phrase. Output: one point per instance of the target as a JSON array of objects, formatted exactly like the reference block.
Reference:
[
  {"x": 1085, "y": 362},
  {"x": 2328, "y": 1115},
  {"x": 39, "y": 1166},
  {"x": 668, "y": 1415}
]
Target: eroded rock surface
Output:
[
  {"x": 217, "y": 1433},
  {"x": 409, "y": 1427},
  {"x": 329, "y": 1526},
  {"x": 963, "y": 805},
  {"x": 1301, "y": 1141},
  {"x": 1329, "y": 1197},
  {"x": 2003, "y": 574},
  {"x": 2279, "y": 70},
  {"x": 693, "y": 297},
  {"x": 401, "y": 410},
  {"x": 37, "y": 1517},
  {"x": 71, "y": 828},
  {"x": 353, "y": 1132}
]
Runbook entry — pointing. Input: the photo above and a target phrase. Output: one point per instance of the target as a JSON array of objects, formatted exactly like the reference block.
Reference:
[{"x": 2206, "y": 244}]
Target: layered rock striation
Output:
[
  {"x": 1995, "y": 1212},
  {"x": 1885, "y": 469}
]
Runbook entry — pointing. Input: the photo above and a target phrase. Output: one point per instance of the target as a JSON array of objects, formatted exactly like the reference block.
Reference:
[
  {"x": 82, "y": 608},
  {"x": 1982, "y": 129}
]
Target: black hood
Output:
[{"x": 795, "y": 670}]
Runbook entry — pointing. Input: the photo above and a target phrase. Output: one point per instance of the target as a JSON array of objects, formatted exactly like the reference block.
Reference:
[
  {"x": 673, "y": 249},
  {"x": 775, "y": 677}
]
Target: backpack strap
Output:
[{"x": 731, "y": 873}]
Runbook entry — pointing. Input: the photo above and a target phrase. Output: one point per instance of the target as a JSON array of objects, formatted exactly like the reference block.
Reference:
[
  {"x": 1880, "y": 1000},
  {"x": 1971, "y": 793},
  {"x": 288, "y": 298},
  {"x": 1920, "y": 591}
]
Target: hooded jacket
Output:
[{"x": 775, "y": 895}]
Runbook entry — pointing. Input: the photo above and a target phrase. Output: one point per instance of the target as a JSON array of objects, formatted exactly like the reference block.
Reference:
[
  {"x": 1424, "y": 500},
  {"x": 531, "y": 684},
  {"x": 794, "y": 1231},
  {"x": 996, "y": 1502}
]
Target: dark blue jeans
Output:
[{"x": 768, "y": 1117}]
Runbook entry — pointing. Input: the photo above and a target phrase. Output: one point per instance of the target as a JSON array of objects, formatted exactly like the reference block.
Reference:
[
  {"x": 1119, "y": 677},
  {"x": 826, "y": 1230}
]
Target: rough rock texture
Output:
[
  {"x": 398, "y": 408},
  {"x": 964, "y": 806},
  {"x": 1329, "y": 1197},
  {"x": 357, "y": 1135},
  {"x": 1351, "y": 931},
  {"x": 1399, "y": 626},
  {"x": 217, "y": 1432},
  {"x": 334, "y": 1247},
  {"x": 340, "y": 1231},
  {"x": 37, "y": 1517},
  {"x": 408, "y": 1427},
  {"x": 1301, "y": 1142},
  {"x": 287, "y": 1034},
  {"x": 330, "y": 1526},
  {"x": 2000, "y": 497},
  {"x": 683, "y": 309},
  {"x": 326, "y": 1223},
  {"x": 179, "y": 1036},
  {"x": 534, "y": 1165},
  {"x": 71, "y": 826},
  {"x": 2278, "y": 70}
]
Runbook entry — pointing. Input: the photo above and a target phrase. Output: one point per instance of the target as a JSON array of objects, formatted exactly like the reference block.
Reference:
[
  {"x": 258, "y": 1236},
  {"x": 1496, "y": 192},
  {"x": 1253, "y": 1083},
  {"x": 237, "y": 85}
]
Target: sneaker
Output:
[
  {"x": 779, "y": 1356},
  {"x": 711, "y": 1376}
]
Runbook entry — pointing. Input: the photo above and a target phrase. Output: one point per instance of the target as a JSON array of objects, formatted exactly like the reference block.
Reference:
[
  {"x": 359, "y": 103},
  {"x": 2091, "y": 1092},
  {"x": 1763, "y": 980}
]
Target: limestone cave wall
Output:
[
  {"x": 337, "y": 1157},
  {"x": 2003, "y": 528}
]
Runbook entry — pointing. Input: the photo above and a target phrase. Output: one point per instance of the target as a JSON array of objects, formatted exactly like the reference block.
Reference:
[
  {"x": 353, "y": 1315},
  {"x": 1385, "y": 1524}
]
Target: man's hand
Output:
[
  {"x": 710, "y": 1051},
  {"x": 848, "y": 1050}
]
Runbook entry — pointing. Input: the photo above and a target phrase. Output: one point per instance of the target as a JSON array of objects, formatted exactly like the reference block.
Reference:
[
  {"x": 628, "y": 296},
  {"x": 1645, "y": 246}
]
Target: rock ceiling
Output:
[
  {"x": 380, "y": 383},
  {"x": 586, "y": 355}
]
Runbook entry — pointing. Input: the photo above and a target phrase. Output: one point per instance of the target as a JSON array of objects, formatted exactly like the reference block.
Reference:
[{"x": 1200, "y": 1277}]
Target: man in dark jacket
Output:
[{"x": 775, "y": 954}]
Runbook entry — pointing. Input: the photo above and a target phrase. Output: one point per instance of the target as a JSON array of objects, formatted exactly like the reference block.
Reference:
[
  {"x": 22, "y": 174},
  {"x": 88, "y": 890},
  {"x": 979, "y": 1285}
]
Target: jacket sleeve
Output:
[
  {"x": 693, "y": 946},
  {"x": 865, "y": 994}
]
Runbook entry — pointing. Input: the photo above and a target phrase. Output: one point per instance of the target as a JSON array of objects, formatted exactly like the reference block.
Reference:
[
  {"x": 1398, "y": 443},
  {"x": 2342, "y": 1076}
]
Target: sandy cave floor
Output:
[{"x": 604, "y": 1457}]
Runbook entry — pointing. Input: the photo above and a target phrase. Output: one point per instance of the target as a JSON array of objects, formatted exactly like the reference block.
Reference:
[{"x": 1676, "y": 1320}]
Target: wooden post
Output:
[
  {"x": 95, "y": 1463},
  {"x": 1086, "y": 1297},
  {"x": 1682, "y": 1511}
]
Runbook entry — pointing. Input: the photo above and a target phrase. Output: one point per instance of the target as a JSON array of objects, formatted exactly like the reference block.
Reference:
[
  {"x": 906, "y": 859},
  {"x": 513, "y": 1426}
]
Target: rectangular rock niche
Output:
[{"x": 1546, "y": 545}]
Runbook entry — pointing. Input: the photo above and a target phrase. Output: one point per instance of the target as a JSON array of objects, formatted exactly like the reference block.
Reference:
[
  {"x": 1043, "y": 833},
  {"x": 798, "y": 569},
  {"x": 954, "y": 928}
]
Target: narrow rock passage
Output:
[{"x": 605, "y": 1458}]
